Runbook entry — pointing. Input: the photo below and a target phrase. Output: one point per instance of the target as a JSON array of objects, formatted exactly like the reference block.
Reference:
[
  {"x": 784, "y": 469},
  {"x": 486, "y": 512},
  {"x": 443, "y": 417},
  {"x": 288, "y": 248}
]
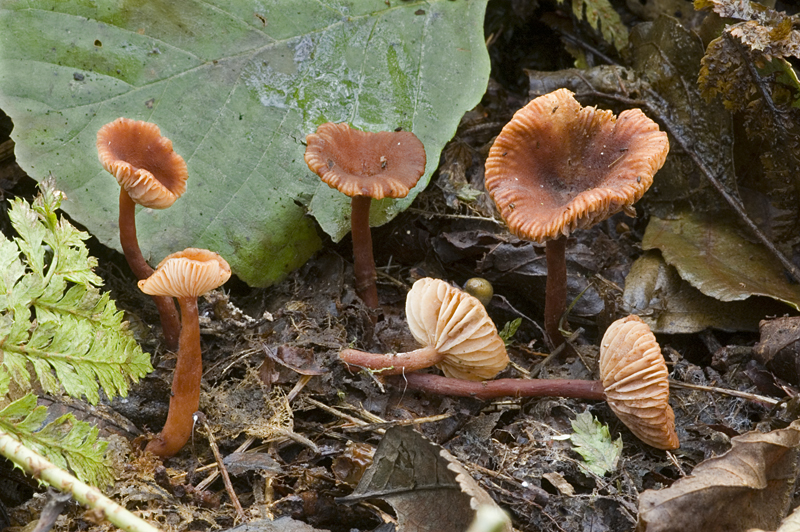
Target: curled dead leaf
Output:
[
  {"x": 427, "y": 487},
  {"x": 749, "y": 486}
]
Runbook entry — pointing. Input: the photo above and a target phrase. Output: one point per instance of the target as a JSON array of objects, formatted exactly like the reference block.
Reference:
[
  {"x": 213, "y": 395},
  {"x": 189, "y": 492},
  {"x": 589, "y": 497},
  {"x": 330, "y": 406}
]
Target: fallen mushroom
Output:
[
  {"x": 365, "y": 166},
  {"x": 557, "y": 167},
  {"x": 633, "y": 381},
  {"x": 150, "y": 174},
  {"x": 457, "y": 334},
  {"x": 184, "y": 275}
]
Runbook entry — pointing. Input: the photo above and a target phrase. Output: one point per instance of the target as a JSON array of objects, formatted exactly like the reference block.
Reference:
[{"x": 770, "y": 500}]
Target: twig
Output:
[
  {"x": 454, "y": 216},
  {"x": 535, "y": 371},
  {"x": 733, "y": 393},
  {"x": 299, "y": 385},
  {"x": 396, "y": 423},
  {"x": 40, "y": 468},
  {"x": 226, "y": 479},
  {"x": 340, "y": 414}
]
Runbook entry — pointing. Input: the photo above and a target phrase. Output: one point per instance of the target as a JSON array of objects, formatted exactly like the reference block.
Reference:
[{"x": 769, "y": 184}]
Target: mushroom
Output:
[
  {"x": 365, "y": 166},
  {"x": 633, "y": 380},
  {"x": 557, "y": 167},
  {"x": 457, "y": 334},
  {"x": 634, "y": 377},
  {"x": 151, "y": 174},
  {"x": 184, "y": 275}
]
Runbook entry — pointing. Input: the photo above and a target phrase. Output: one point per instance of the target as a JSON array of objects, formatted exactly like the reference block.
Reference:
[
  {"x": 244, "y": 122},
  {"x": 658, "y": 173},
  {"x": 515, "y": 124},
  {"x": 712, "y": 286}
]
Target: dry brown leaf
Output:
[
  {"x": 790, "y": 524},
  {"x": 427, "y": 487},
  {"x": 749, "y": 486}
]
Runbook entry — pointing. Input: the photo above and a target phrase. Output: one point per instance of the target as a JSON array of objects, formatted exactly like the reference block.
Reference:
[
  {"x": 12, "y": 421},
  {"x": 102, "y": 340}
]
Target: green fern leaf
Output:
[
  {"x": 67, "y": 442},
  {"x": 53, "y": 318}
]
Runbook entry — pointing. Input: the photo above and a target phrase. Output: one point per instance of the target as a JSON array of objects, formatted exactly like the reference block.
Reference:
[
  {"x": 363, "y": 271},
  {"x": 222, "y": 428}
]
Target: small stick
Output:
[
  {"x": 200, "y": 417},
  {"x": 733, "y": 393},
  {"x": 396, "y": 423}
]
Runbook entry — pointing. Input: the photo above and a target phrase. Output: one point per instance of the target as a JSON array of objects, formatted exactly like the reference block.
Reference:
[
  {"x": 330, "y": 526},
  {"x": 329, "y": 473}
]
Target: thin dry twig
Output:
[
  {"x": 226, "y": 479},
  {"x": 396, "y": 423},
  {"x": 574, "y": 336},
  {"x": 733, "y": 393}
]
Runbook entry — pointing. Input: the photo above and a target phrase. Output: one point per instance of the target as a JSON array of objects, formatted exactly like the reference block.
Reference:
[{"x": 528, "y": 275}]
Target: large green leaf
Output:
[{"x": 236, "y": 85}]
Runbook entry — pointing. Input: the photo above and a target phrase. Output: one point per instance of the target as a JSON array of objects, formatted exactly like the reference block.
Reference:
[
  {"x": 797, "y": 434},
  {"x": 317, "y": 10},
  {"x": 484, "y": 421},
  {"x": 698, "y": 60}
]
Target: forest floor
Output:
[{"x": 297, "y": 429}]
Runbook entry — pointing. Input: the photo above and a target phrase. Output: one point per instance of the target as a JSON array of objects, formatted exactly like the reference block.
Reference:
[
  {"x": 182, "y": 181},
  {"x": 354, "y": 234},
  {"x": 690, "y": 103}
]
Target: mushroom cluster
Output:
[{"x": 152, "y": 175}]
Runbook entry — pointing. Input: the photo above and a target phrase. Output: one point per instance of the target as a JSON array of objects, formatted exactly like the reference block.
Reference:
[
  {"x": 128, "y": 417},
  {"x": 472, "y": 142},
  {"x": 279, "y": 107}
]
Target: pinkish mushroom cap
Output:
[
  {"x": 557, "y": 166},
  {"x": 188, "y": 273},
  {"x": 380, "y": 165},
  {"x": 142, "y": 161},
  {"x": 456, "y": 325},
  {"x": 634, "y": 377}
]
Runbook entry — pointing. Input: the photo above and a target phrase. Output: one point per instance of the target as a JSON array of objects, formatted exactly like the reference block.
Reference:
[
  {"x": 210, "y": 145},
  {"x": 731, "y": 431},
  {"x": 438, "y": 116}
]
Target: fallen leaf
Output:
[
  {"x": 749, "y": 486},
  {"x": 717, "y": 260},
  {"x": 560, "y": 483},
  {"x": 790, "y": 524},
  {"x": 428, "y": 488},
  {"x": 669, "y": 305}
]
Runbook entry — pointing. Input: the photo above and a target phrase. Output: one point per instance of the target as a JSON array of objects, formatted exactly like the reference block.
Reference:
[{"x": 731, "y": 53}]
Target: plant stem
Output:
[
  {"x": 185, "y": 399},
  {"x": 555, "y": 297},
  {"x": 578, "y": 389},
  {"x": 363, "y": 261},
  {"x": 392, "y": 363},
  {"x": 170, "y": 321},
  {"x": 40, "y": 468}
]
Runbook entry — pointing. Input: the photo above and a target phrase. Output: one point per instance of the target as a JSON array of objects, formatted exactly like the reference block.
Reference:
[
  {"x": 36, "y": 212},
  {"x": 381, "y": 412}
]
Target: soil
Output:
[{"x": 273, "y": 380}]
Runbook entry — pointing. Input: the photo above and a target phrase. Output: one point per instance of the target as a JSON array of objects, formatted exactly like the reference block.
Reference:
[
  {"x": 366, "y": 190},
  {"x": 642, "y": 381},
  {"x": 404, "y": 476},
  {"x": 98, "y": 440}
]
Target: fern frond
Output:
[
  {"x": 53, "y": 318},
  {"x": 67, "y": 442}
]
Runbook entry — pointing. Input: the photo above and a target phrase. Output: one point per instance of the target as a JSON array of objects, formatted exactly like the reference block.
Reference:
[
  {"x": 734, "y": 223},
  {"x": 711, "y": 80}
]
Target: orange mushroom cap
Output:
[
  {"x": 634, "y": 377},
  {"x": 557, "y": 166},
  {"x": 188, "y": 273},
  {"x": 142, "y": 161},
  {"x": 455, "y": 324},
  {"x": 380, "y": 165}
]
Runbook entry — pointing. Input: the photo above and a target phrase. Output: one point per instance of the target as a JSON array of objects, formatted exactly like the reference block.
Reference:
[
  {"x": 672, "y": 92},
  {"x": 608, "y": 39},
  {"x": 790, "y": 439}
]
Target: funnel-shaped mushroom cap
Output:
[
  {"x": 188, "y": 273},
  {"x": 143, "y": 162},
  {"x": 380, "y": 165},
  {"x": 634, "y": 378},
  {"x": 557, "y": 166},
  {"x": 456, "y": 324}
]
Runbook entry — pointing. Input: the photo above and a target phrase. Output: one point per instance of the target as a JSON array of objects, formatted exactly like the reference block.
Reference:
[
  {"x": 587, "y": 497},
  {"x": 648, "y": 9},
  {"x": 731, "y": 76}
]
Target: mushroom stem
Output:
[
  {"x": 185, "y": 399},
  {"x": 392, "y": 363},
  {"x": 555, "y": 297},
  {"x": 170, "y": 321},
  {"x": 578, "y": 389},
  {"x": 363, "y": 261}
]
